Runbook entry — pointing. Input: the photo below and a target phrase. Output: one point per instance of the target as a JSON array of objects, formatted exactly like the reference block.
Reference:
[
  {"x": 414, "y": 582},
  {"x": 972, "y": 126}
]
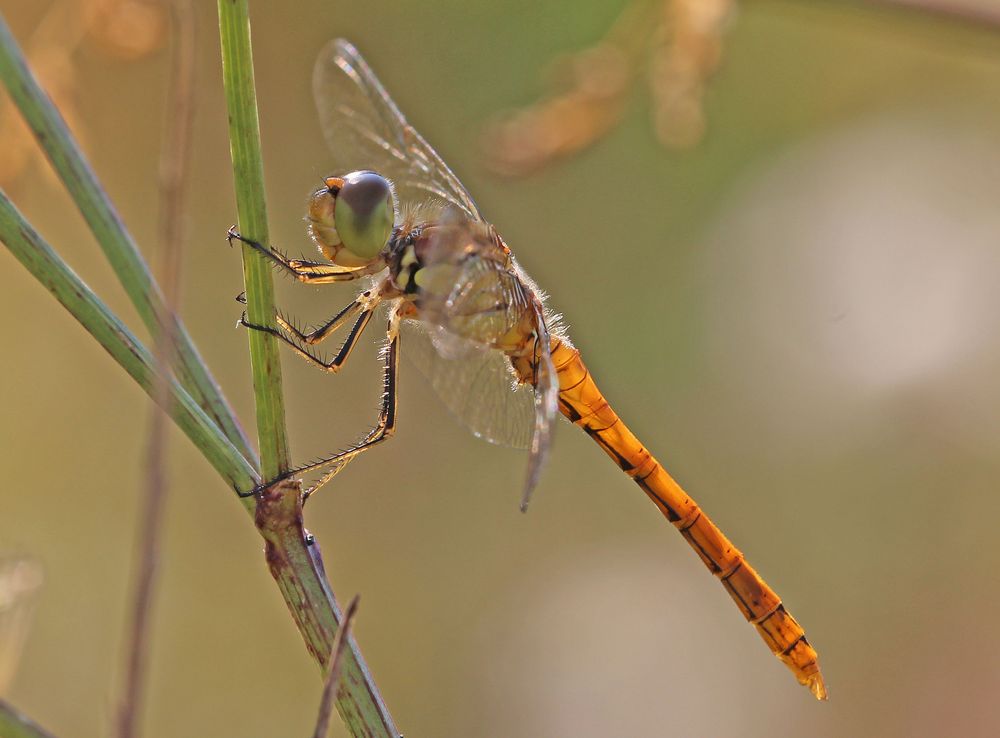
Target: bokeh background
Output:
[{"x": 799, "y": 317}]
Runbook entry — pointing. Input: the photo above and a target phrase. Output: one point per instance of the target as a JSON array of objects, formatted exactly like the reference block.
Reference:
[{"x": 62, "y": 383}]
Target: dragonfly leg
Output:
[
  {"x": 311, "y": 272},
  {"x": 384, "y": 428},
  {"x": 334, "y": 365},
  {"x": 321, "y": 333}
]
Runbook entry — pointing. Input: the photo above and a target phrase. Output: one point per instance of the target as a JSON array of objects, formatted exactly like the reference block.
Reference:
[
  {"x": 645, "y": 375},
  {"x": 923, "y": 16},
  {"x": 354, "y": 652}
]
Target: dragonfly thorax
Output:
[
  {"x": 351, "y": 218},
  {"x": 404, "y": 262}
]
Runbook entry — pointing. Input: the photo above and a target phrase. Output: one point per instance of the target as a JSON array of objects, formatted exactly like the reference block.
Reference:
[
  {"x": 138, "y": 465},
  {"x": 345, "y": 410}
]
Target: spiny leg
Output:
[
  {"x": 318, "y": 334},
  {"x": 384, "y": 428},
  {"x": 363, "y": 307},
  {"x": 321, "y": 333},
  {"x": 311, "y": 272}
]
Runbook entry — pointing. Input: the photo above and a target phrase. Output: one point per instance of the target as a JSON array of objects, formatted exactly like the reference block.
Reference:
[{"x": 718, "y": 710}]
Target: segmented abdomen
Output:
[{"x": 582, "y": 402}]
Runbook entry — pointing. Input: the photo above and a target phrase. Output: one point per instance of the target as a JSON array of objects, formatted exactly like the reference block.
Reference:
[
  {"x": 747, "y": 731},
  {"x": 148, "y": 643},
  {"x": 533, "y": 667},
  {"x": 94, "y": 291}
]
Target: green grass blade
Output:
[
  {"x": 45, "y": 265},
  {"x": 72, "y": 168},
  {"x": 251, "y": 206},
  {"x": 15, "y": 725}
]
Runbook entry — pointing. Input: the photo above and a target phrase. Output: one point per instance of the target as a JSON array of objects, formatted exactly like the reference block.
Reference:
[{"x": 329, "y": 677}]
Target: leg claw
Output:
[{"x": 233, "y": 233}]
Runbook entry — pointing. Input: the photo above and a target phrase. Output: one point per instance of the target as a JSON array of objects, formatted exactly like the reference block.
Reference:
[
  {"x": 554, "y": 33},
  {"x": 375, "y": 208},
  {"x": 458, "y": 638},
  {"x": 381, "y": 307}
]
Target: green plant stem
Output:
[
  {"x": 69, "y": 163},
  {"x": 45, "y": 265},
  {"x": 251, "y": 206},
  {"x": 292, "y": 555},
  {"x": 15, "y": 725}
]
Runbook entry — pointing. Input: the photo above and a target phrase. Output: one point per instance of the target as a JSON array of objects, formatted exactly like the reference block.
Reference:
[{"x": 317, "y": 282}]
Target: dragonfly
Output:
[{"x": 478, "y": 327}]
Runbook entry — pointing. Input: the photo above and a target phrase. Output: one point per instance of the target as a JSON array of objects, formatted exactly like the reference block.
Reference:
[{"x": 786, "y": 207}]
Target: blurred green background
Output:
[{"x": 798, "y": 317}]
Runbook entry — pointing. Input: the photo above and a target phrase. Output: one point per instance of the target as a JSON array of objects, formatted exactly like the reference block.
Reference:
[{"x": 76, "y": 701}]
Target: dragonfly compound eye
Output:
[
  {"x": 364, "y": 214},
  {"x": 351, "y": 217}
]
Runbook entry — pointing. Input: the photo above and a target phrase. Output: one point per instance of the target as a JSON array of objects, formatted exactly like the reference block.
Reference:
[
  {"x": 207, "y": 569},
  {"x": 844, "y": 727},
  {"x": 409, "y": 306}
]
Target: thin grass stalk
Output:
[
  {"x": 334, "y": 670},
  {"x": 73, "y": 170},
  {"x": 251, "y": 207},
  {"x": 174, "y": 166},
  {"x": 47, "y": 267}
]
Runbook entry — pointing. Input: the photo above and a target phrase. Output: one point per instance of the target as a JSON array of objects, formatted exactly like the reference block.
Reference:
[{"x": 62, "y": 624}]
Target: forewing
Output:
[{"x": 365, "y": 130}]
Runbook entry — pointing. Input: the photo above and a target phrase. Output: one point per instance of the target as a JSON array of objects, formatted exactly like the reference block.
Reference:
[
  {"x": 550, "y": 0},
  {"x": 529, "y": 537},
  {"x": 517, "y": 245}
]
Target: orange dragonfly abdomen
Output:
[{"x": 582, "y": 403}]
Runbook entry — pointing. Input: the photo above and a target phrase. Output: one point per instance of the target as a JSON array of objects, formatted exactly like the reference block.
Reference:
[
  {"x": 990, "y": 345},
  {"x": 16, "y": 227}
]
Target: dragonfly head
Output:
[{"x": 351, "y": 218}]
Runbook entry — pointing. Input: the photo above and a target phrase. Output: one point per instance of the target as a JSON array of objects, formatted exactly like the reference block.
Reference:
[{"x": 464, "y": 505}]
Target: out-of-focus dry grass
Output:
[{"x": 676, "y": 44}]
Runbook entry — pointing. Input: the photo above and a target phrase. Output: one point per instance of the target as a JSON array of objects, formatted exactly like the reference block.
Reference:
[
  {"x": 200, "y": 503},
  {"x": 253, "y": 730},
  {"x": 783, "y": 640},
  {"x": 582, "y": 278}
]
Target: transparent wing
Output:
[
  {"x": 474, "y": 382},
  {"x": 471, "y": 302},
  {"x": 546, "y": 403},
  {"x": 365, "y": 130}
]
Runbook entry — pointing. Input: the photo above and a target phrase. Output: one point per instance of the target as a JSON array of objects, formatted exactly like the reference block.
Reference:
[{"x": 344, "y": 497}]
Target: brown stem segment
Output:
[
  {"x": 582, "y": 402},
  {"x": 297, "y": 566}
]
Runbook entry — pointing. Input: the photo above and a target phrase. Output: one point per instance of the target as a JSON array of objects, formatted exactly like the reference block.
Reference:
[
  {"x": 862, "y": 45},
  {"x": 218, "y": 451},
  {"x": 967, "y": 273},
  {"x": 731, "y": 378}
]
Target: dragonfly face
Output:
[{"x": 351, "y": 218}]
